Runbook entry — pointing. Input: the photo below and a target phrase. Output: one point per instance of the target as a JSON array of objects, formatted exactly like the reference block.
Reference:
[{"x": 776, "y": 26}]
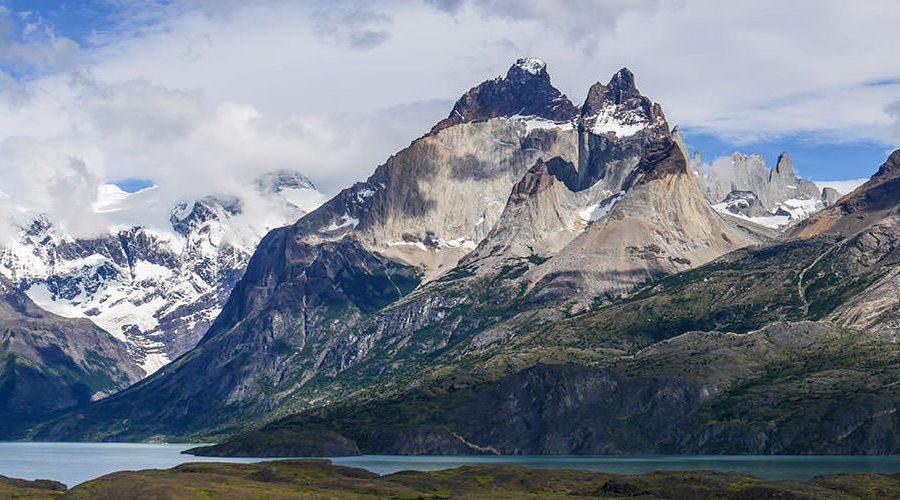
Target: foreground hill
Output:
[
  {"x": 49, "y": 363},
  {"x": 320, "y": 479}
]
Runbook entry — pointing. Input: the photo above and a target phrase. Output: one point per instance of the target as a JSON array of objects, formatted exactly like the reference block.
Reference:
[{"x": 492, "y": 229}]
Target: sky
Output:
[{"x": 201, "y": 96}]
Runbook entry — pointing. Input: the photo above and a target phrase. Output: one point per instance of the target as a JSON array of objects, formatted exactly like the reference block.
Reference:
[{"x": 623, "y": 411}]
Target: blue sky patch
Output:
[
  {"x": 812, "y": 159},
  {"x": 133, "y": 185}
]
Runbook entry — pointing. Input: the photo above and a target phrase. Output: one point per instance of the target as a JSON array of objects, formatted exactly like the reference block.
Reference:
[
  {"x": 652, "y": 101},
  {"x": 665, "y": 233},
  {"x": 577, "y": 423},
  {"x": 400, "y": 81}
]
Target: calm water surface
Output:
[{"x": 74, "y": 463}]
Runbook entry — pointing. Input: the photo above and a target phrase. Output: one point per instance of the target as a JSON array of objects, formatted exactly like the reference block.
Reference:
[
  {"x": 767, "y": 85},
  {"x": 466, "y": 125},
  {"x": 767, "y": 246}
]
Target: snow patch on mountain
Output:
[
  {"x": 799, "y": 209},
  {"x": 597, "y": 210},
  {"x": 618, "y": 120},
  {"x": 538, "y": 123},
  {"x": 532, "y": 65},
  {"x": 344, "y": 221}
]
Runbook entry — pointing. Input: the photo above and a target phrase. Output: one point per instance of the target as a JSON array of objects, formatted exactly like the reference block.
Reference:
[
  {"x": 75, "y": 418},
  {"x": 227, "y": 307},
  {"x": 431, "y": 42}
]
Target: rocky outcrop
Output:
[
  {"x": 616, "y": 125},
  {"x": 830, "y": 196},
  {"x": 661, "y": 225},
  {"x": 744, "y": 203},
  {"x": 49, "y": 363}
]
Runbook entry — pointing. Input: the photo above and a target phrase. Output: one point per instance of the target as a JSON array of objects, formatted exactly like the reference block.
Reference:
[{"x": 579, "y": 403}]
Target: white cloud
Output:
[{"x": 218, "y": 92}]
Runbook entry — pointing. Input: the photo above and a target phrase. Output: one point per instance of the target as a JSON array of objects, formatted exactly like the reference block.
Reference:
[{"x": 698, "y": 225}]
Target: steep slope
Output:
[
  {"x": 49, "y": 363},
  {"x": 661, "y": 225},
  {"x": 874, "y": 200},
  {"x": 157, "y": 290}
]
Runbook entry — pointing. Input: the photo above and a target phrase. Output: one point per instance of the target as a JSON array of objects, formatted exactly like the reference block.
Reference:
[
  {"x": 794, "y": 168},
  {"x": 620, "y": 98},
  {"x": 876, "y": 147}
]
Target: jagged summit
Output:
[
  {"x": 619, "y": 107},
  {"x": 783, "y": 168},
  {"x": 531, "y": 65},
  {"x": 525, "y": 90},
  {"x": 622, "y": 86}
]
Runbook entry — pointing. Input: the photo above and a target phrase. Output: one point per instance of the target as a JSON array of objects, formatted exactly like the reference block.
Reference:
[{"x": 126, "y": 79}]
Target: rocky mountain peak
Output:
[
  {"x": 619, "y": 107},
  {"x": 525, "y": 91},
  {"x": 622, "y": 87},
  {"x": 528, "y": 65},
  {"x": 783, "y": 168}
]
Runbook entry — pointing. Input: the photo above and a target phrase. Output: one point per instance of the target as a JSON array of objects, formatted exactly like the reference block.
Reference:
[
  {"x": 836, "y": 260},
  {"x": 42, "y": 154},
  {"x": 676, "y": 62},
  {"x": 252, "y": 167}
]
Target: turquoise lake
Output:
[{"x": 74, "y": 463}]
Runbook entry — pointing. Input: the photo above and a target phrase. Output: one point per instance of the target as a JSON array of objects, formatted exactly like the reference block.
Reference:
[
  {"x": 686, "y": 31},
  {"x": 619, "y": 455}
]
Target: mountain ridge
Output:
[{"x": 443, "y": 263}]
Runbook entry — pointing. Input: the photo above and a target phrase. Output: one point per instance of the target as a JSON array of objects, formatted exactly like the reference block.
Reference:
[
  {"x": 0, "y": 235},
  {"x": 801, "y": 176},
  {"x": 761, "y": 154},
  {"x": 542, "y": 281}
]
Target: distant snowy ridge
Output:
[
  {"x": 842, "y": 187},
  {"x": 158, "y": 290}
]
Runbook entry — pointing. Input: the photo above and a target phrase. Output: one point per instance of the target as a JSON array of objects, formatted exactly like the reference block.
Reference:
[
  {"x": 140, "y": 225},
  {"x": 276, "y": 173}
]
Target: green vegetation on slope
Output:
[{"x": 320, "y": 479}]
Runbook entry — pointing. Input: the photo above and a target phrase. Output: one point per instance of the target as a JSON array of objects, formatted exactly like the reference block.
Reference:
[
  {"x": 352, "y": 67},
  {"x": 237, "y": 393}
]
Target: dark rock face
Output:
[
  {"x": 620, "y": 94},
  {"x": 661, "y": 159},
  {"x": 526, "y": 91}
]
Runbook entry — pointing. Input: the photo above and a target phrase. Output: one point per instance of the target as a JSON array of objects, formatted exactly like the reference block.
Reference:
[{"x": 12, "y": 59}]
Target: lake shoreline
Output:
[{"x": 74, "y": 463}]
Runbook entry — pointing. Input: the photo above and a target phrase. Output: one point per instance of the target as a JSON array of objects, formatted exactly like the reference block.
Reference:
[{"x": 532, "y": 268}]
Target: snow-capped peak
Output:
[{"x": 531, "y": 65}]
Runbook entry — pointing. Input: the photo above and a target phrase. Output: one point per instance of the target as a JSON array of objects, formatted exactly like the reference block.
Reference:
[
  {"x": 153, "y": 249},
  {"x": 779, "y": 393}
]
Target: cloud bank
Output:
[{"x": 203, "y": 96}]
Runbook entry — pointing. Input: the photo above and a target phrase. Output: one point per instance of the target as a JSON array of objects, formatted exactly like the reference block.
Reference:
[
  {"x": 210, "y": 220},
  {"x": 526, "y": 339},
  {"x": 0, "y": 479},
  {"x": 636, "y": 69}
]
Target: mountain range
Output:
[{"x": 532, "y": 277}]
